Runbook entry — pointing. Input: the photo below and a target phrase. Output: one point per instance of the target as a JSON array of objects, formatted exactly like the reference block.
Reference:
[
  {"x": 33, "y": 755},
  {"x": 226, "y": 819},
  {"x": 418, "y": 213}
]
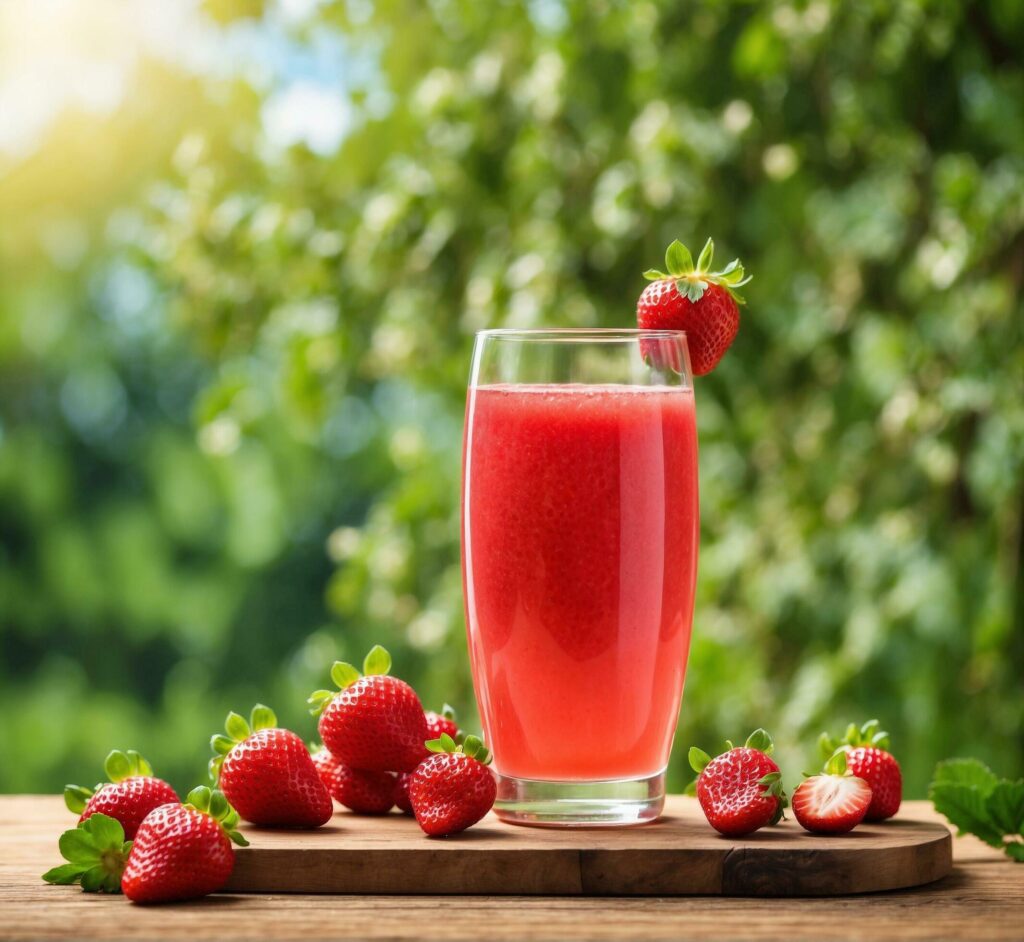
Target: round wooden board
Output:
[{"x": 680, "y": 855}]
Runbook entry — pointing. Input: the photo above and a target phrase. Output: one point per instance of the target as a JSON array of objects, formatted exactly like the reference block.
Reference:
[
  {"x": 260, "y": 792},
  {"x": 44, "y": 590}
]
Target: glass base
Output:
[{"x": 618, "y": 803}]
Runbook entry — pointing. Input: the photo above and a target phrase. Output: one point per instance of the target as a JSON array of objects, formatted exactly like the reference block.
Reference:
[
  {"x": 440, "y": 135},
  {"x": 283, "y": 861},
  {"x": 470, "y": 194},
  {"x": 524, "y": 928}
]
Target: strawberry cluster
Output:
[
  {"x": 740, "y": 790},
  {"x": 381, "y": 749}
]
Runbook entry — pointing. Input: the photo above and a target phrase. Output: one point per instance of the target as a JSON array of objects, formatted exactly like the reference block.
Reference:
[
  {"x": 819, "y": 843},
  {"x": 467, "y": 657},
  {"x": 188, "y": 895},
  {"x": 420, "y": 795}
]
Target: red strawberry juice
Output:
[{"x": 580, "y": 525}]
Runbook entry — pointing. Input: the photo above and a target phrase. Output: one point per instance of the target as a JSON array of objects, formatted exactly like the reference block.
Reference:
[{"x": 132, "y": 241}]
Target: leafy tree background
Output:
[{"x": 232, "y": 374}]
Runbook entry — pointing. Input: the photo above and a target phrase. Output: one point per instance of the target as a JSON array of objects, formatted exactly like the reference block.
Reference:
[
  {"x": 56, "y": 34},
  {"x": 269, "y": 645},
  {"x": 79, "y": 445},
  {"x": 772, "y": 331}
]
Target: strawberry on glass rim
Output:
[{"x": 694, "y": 299}]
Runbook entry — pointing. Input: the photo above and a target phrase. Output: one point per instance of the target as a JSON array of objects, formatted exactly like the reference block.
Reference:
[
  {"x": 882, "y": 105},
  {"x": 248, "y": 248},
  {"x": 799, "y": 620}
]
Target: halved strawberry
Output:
[
  {"x": 834, "y": 801},
  {"x": 694, "y": 299}
]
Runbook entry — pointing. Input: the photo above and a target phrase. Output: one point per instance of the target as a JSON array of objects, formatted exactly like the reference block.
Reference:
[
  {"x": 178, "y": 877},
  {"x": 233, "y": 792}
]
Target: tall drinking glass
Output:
[{"x": 579, "y": 557}]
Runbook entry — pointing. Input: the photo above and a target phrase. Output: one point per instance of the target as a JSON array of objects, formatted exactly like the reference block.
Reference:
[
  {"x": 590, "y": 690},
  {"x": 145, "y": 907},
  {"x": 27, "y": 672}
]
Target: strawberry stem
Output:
[
  {"x": 693, "y": 280},
  {"x": 213, "y": 803}
]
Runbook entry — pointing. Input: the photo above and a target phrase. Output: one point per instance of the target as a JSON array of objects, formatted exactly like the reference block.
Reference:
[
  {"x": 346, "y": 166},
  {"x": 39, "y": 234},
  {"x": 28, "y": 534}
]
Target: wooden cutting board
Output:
[{"x": 680, "y": 855}]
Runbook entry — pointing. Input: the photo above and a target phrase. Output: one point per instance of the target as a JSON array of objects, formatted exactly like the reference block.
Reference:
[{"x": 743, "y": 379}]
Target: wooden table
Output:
[{"x": 983, "y": 899}]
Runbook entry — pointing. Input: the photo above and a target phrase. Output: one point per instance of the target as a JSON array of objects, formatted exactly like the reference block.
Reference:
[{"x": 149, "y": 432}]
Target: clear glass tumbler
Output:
[{"x": 579, "y": 558}]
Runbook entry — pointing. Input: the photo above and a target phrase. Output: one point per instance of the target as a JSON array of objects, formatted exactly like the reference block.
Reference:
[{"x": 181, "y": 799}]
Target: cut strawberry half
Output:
[{"x": 834, "y": 801}]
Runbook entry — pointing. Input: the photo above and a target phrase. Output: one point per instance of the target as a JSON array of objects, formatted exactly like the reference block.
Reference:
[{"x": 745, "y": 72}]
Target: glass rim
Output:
[{"x": 579, "y": 334}]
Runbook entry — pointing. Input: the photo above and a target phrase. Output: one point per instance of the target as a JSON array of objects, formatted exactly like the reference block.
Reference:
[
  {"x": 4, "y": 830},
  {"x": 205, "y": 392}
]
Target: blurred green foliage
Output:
[{"x": 232, "y": 376}]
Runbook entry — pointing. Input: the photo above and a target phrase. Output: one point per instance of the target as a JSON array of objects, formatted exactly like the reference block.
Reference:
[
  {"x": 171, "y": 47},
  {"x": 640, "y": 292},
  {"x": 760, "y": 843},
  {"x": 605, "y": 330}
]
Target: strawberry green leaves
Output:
[
  {"x": 118, "y": 766},
  {"x": 678, "y": 259},
  {"x": 213, "y": 803},
  {"x": 378, "y": 661},
  {"x": 759, "y": 739},
  {"x": 96, "y": 853},
  {"x": 76, "y": 797},
  {"x": 699, "y": 759},
  {"x": 978, "y": 802},
  {"x": 773, "y": 788},
  {"x": 473, "y": 746},
  {"x": 836, "y": 763},
  {"x": 344, "y": 675},
  {"x": 693, "y": 280},
  {"x": 121, "y": 765},
  {"x": 867, "y": 735},
  {"x": 238, "y": 730}
]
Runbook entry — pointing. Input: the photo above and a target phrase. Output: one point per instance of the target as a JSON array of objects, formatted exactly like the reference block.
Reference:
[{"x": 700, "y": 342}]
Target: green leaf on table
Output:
[
  {"x": 1005, "y": 805},
  {"x": 96, "y": 853},
  {"x": 77, "y": 844},
  {"x": 64, "y": 875},
  {"x": 95, "y": 879},
  {"x": 104, "y": 831},
  {"x": 965, "y": 807},
  {"x": 978, "y": 802},
  {"x": 968, "y": 772}
]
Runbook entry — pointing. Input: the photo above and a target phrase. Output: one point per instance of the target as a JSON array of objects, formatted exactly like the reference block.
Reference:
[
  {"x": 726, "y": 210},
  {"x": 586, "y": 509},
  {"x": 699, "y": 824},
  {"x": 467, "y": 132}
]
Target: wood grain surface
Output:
[
  {"x": 678, "y": 855},
  {"x": 982, "y": 899}
]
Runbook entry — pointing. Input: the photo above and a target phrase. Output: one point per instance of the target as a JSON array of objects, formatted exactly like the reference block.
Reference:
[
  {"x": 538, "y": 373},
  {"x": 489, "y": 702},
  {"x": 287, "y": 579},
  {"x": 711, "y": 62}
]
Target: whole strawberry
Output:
[
  {"x": 183, "y": 851},
  {"x": 740, "y": 790},
  {"x": 453, "y": 789},
  {"x": 375, "y": 722},
  {"x": 266, "y": 773},
  {"x": 834, "y": 801},
  {"x": 868, "y": 756},
  {"x": 696, "y": 300},
  {"x": 358, "y": 790},
  {"x": 128, "y": 797}
]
